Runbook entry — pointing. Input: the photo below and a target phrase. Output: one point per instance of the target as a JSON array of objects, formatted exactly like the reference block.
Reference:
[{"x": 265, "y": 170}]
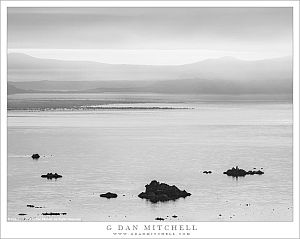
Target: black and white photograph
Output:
[{"x": 150, "y": 114}]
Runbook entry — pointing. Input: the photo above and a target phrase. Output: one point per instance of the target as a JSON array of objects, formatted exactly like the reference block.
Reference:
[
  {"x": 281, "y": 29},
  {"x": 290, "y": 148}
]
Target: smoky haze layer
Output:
[
  {"x": 257, "y": 29},
  {"x": 213, "y": 76}
]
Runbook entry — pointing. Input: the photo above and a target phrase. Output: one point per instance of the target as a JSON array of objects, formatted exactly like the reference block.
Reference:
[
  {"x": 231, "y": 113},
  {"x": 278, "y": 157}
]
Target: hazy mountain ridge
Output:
[
  {"x": 212, "y": 76},
  {"x": 14, "y": 90}
]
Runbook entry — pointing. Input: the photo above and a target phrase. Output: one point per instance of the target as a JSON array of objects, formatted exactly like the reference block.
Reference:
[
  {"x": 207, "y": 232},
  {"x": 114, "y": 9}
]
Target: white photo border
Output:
[{"x": 101, "y": 229}]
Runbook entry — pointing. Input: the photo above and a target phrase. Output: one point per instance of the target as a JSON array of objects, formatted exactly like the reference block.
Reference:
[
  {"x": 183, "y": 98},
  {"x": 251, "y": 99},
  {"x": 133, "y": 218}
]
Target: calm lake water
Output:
[{"x": 122, "y": 150}]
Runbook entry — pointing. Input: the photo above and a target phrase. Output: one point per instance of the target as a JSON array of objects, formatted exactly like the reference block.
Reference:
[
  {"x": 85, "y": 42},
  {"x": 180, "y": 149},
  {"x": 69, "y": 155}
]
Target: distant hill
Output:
[
  {"x": 14, "y": 90},
  {"x": 225, "y": 75}
]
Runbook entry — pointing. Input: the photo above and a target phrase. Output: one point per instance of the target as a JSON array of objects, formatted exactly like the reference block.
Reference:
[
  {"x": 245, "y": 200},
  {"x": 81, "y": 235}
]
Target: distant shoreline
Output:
[{"x": 102, "y": 108}]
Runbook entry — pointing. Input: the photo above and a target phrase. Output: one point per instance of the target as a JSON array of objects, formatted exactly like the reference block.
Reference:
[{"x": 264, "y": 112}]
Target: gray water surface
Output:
[{"x": 122, "y": 150}]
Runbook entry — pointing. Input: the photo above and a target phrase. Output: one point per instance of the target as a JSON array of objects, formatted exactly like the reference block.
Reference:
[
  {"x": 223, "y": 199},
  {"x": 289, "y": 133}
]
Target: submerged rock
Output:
[
  {"x": 51, "y": 176},
  {"x": 35, "y": 156},
  {"x": 161, "y": 192},
  {"x": 237, "y": 172},
  {"x": 109, "y": 195}
]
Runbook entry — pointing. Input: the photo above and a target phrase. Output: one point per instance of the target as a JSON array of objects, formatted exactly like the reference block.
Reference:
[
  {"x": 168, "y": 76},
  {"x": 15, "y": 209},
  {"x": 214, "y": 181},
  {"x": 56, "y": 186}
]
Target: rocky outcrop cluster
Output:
[
  {"x": 161, "y": 192},
  {"x": 238, "y": 172}
]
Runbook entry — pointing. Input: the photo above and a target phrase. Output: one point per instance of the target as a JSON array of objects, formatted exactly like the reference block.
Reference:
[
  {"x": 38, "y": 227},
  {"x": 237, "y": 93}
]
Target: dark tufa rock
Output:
[
  {"x": 53, "y": 213},
  {"x": 161, "y": 192},
  {"x": 29, "y": 205},
  {"x": 237, "y": 172},
  {"x": 159, "y": 219},
  {"x": 259, "y": 172},
  {"x": 51, "y": 176},
  {"x": 174, "y": 216},
  {"x": 35, "y": 156},
  {"x": 109, "y": 195},
  {"x": 207, "y": 172}
]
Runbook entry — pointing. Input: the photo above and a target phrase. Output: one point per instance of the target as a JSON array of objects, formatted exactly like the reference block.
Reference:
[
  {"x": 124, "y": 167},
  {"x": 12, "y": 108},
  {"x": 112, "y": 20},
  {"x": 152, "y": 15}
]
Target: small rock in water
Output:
[
  {"x": 255, "y": 172},
  {"x": 29, "y": 205},
  {"x": 35, "y": 156},
  {"x": 207, "y": 172},
  {"x": 109, "y": 195},
  {"x": 161, "y": 192},
  {"x": 51, "y": 176},
  {"x": 237, "y": 172},
  {"x": 174, "y": 216},
  {"x": 159, "y": 219},
  {"x": 54, "y": 213},
  {"x": 22, "y": 214}
]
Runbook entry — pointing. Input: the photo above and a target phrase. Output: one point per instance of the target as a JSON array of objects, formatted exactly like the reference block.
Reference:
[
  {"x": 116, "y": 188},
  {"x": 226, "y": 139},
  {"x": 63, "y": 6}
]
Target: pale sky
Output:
[{"x": 153, "y": 36}]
